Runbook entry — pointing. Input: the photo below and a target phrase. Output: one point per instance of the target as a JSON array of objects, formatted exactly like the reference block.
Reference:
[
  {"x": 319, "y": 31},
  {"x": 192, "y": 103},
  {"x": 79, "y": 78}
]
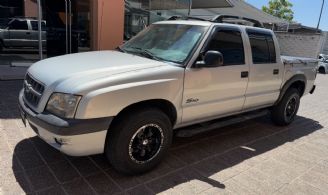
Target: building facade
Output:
[{"x": 70, "y": 26}]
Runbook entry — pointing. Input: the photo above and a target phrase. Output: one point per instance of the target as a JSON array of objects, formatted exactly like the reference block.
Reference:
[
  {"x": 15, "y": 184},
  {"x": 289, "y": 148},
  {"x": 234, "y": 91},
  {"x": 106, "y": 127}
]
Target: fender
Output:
[
  {"x": 288, "y": 83},
  {"x": 110, "y": 101}
]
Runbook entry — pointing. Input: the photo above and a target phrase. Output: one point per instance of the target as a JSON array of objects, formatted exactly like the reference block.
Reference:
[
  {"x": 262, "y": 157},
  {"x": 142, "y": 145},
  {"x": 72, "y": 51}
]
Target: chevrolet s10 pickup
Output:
[{"x": 174, "y": 75}]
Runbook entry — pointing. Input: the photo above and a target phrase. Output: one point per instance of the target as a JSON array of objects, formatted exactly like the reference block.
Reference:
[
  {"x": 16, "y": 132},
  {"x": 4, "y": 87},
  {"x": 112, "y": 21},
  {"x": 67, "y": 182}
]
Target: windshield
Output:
[{"x": 166, "y": 42}]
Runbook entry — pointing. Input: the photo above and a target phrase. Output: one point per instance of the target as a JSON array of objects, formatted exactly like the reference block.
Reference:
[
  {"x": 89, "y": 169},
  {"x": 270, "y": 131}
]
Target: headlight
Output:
[{"x": 63, "y": 105}]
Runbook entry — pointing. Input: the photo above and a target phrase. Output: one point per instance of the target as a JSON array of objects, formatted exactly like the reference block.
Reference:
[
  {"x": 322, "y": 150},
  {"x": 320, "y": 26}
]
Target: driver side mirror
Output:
[{"x": 212, "y": 59}]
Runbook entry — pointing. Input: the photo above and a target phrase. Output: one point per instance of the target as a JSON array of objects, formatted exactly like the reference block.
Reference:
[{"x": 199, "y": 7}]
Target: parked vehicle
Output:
[
  {"x": 21, "y": 33},
  {"x": 323, "y": 57},
  {"x": 174, "y": 74},
  {"x": 323, "y": 64}
]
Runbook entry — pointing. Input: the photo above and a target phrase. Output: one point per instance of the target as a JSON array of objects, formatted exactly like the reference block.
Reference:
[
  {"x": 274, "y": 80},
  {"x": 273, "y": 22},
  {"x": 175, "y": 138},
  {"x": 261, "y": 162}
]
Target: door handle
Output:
[
  {"x": 244, "y": 74},
  {"x": 28, "y": 33},
  {"x": 275, "y": 71}
]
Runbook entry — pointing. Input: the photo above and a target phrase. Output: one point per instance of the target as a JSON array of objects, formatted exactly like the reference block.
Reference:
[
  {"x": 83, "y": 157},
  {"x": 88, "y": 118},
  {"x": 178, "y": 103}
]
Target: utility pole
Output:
[{"x": 323, "y": 3}]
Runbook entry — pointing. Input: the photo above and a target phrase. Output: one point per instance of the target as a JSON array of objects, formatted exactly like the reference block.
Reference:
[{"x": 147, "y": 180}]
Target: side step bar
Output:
[{"x": 218, "y": 123}]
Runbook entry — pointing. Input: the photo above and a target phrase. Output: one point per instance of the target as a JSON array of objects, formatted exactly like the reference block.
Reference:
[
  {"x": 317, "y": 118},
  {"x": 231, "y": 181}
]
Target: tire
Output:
[
  {"x": 322, "y": 70},
  {"x": 285, "y": 111},
  {"x": 139, "y": 141}
]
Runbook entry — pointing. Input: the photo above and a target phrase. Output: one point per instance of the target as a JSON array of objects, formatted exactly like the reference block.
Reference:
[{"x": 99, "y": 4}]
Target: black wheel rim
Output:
[
  {"x": 146, "y": 143},
  {"x": 291, "y": 107}
]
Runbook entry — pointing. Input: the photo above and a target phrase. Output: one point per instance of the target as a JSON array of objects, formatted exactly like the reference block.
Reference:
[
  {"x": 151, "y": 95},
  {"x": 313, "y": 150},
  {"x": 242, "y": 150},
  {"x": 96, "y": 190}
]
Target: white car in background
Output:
[{"x": 323, "y": 64}]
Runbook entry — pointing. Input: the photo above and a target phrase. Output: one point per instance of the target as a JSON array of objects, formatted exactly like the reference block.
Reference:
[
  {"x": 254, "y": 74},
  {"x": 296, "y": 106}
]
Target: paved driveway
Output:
[{"x": 253, "y": 157}]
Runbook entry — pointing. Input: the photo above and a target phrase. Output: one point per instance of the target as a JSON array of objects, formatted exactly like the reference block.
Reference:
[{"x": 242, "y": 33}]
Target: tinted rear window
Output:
[
  {"x": 263, "y": 48},
  {"x": 35, "y": 25}
]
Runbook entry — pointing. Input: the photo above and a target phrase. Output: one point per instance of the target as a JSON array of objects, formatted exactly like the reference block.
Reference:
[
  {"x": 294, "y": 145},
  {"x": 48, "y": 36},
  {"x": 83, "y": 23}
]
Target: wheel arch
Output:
[
  {"x": 164, "y": 105},
  {"x": 297, "y": 81},
  {"x": 325, "y": 68}
]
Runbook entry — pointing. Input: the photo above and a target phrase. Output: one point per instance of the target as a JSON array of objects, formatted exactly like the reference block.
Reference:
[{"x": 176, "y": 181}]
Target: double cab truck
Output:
[{"x": 128, "y": 103}]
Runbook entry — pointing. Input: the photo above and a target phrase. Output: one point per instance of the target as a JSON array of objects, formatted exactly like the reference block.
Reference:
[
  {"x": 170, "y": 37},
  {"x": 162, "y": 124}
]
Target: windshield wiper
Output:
[
  {"x": 149, "y": 54},
  {"x": 119, "y": 48},
  {"x": 146, "y": 53}
]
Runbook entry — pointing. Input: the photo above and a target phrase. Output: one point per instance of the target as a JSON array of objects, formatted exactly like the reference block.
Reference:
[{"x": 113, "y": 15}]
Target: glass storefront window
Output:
[
  {"x": 65, "y": 28},
  {"x": 18, "y": 40},
  {"x": 141, "y": 13}
]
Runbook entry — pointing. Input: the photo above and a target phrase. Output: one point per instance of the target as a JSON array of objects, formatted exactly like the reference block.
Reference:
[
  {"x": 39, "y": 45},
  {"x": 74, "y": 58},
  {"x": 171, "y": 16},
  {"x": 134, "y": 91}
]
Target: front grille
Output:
[{"x": 33, "y": 90}]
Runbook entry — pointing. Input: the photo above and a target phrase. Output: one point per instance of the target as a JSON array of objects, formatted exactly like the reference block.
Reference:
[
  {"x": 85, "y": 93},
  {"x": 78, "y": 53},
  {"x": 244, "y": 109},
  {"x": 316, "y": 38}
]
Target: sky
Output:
[{"x": 306, "y": 12}]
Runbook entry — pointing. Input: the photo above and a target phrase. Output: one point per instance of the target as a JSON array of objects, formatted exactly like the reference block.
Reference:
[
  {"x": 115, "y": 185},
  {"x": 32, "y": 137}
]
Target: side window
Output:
[
  {"x": 36, "y": 27},
  {"x": 263, "y": 48},
  {"x": 18, "y": 25},
  {"x": 272, "y": 50},
  {"x": 230, "y": 44}
]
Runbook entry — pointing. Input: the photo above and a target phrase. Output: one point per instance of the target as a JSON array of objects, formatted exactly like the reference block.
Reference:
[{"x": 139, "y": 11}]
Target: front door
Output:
[
  {"x": 213, "y": 92},
  {"x": 35, "y": 33}
]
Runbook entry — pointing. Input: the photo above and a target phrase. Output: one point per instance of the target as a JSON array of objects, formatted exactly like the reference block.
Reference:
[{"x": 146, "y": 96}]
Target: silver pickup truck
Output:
[{"x": 174, "y": 74}]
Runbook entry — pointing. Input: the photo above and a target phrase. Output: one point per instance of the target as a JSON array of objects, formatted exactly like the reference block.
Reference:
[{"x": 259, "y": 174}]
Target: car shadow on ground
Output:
[
  {"x": 9, "y": 91},
  {"x": 40, "y": 168}
]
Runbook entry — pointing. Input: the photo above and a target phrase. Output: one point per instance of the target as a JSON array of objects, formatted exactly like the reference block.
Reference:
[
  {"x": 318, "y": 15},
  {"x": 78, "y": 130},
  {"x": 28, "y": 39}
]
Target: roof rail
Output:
[
  {"x": 219, "y": 19},
  {"x": 186, "y": 18}
]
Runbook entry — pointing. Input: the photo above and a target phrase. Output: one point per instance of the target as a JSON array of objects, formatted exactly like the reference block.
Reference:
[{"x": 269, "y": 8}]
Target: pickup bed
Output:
[{"x": 171, "y": 76}]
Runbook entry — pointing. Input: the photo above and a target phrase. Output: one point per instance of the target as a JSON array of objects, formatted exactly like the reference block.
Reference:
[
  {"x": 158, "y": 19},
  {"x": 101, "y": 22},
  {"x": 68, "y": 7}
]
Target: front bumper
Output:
[{"x": 75, "y": 137}]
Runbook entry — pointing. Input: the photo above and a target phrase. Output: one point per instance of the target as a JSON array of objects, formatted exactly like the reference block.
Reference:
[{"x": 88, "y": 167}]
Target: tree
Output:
[{"x": 280, "y": 8}]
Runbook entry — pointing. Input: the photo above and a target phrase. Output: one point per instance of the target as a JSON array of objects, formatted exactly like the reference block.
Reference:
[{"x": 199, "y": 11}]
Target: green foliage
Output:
[{"x": 280, "y": 8}]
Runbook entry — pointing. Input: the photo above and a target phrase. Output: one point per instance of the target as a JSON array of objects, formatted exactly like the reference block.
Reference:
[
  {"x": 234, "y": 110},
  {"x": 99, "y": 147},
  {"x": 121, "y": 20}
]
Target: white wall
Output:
[
  {"x": 301, "y": 45},
  {"x": 324, "y": 49}
]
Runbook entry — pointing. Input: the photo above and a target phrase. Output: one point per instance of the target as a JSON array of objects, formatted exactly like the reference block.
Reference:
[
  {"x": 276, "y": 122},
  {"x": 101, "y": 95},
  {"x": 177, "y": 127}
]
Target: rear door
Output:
[
  {"x": 35, "y": 33},
  {"x": 216, "y": 91},
  {"x": 266, "y": 69}
]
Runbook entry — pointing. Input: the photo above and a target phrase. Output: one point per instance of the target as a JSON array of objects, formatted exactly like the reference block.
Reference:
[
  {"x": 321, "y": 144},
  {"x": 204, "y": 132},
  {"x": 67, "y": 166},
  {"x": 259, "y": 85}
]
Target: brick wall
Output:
[{"x": 302, "y": 45}]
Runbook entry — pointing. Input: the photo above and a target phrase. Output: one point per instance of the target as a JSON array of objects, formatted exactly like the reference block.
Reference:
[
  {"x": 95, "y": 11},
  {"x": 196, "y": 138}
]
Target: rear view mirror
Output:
[{"x": 211, "y": 59}]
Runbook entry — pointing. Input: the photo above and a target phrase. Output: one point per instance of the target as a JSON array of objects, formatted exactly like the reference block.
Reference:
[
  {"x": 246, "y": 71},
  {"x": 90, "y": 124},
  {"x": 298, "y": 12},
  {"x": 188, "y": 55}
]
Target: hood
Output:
[{"x": 95, "y": 64}]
